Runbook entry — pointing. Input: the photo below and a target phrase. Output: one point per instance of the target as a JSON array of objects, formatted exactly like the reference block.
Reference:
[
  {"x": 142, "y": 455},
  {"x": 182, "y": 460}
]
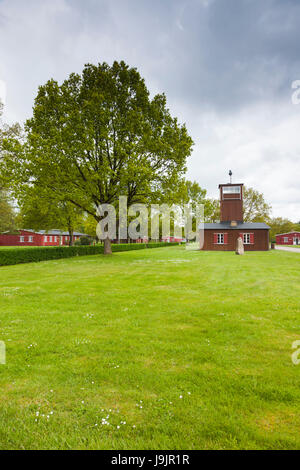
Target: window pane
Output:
[{"x": 231, "y": 190}]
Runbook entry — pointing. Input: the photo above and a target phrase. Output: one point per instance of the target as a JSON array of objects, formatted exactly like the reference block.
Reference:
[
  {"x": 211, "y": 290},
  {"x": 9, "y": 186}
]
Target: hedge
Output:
[{"x": 28, "y": 255}]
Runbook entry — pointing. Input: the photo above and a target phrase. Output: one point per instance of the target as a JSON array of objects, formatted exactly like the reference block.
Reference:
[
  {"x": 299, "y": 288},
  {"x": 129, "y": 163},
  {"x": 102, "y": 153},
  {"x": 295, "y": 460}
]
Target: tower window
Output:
[{"x": 231, "y": 189}]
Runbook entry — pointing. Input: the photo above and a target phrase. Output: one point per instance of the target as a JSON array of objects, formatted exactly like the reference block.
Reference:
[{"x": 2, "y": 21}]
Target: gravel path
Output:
[{"x": 288, "y": 248}]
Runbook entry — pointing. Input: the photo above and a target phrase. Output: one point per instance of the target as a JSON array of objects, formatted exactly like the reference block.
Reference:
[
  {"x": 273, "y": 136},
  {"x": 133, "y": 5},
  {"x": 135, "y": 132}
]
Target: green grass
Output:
[{"x": 93, "y": 336}]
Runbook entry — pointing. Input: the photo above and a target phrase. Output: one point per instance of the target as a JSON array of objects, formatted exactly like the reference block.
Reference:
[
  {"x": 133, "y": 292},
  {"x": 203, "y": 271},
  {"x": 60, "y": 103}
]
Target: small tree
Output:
[
  {"x": 7, "y": 213},
  {"x": 42, "y": 210},
  {"x": 254, "y": 206}
]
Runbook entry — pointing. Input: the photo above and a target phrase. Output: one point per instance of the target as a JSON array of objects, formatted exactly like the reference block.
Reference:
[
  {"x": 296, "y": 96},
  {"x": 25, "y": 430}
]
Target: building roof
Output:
[
  {"x": 288, "y": 233},
  {"x": 231, "y": 184},
  {"x": 239, "y": 226},
  {"x": 58, "y": 232}
]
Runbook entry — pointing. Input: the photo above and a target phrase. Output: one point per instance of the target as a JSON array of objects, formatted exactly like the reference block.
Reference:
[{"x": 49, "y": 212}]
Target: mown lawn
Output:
[{"x": 192, "y": 350}]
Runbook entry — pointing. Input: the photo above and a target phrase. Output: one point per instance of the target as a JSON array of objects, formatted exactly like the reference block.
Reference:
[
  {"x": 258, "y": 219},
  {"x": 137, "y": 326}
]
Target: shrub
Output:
[
  {"x": 16, "y": 256},
  {"x": 84, "y": 241}
]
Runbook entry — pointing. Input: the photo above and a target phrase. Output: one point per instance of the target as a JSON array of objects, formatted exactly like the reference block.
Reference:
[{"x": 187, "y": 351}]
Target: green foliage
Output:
[
  {"x": 44, "y": 210},
  {"x": 11, "y": 148},
  {"x": 255, "y": 207},
  {"x": 7, "y": 213},
  {"x": 99, "y": 135},
  {"x": 84, "y": 241},
  {"x": 12, "y": 256},
  {"x": 281, "y": 225}
]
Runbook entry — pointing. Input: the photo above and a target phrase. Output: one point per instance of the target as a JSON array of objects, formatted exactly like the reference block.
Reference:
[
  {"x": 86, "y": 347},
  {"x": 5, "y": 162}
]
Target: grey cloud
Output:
[{"x": 218, "y": 61}]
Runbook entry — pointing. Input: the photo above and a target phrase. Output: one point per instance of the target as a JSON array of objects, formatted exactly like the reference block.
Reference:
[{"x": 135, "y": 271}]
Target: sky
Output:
[{"x": 226, "y": 66}]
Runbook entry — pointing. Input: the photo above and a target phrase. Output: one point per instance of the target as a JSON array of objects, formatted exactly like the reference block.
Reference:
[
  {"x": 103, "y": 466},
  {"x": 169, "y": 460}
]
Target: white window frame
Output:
[
  {"x": 45, "y": 238},
  {"x": 55, "y": 238},
  {"x": 22, "y": 239},
  {"x": 231, "y": 190},
  {"x": 246, "y": 238},
  {"x": 285, "y": 239},
  {"x": 30, "y": 239},
  {"x": 220, "y": 238}
]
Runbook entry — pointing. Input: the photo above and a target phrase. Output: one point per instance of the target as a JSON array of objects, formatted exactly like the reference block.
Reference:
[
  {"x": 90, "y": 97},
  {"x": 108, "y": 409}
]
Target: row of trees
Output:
[{"x": 93, "y": 138}]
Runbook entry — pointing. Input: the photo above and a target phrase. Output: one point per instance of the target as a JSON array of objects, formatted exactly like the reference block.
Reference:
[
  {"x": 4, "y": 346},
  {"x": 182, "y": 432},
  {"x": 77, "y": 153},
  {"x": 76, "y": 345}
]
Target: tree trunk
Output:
[
  {"x": 107, "y": 247},
  {"x": 71, "y": 237}
]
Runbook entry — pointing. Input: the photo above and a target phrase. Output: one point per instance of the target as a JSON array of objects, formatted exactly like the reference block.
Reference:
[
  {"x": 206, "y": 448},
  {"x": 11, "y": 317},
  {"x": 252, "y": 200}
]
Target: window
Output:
[
  {"x": 231, "y": 189},
  {"x": 30, "y": 238},
  {"x": 285, "y": 239},
  {"x": 50, "y": 238},
  {"x": 45, "y": 238},
  {"x": 22, "y": 239},
  {"x": 55, "y": 238},
  {"x": 248, "y": 238},
  {"x": 220, "y": 239}
]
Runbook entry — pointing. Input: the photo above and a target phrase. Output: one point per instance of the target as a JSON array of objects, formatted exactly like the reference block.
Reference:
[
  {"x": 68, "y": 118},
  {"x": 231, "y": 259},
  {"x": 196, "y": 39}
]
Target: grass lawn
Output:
[{"x": 191, "y": 349}]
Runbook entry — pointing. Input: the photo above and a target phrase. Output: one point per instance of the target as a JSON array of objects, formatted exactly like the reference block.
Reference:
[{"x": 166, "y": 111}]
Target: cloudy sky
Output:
[{"x": 226, "y": 66}]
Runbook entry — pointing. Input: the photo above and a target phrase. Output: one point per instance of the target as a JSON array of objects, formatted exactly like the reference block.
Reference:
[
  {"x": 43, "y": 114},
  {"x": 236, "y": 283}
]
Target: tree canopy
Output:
[
  {"x": 281, "y": 225},
  {"x": 7, "y": 213},
  {"x": 254, "y": 206},
  {"x": 99, "y": 135}
]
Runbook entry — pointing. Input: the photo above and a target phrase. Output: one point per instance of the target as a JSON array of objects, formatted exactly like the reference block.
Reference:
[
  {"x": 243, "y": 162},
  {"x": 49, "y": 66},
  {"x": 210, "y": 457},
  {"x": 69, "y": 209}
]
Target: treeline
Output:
[{"x": 97, "y": 136}]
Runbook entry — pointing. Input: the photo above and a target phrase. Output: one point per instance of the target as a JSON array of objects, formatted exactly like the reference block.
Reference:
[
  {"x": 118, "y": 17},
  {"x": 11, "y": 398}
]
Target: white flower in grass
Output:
[
  {"x": 189, "y": 393},
  {"x": 180, "y": 396},
  {"x": 82, "y": 401},
  {"x": 118, "y": 427},
  {"x": 134, "y": 426},
  {"x": 141, "y": 407}
]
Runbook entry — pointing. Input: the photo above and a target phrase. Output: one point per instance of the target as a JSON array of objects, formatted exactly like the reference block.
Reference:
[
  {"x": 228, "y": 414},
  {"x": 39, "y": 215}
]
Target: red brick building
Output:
[
  {"x": 291, "y": 238},
  {"x": 223, "y": 236},
  {"x": 41, "y": 238}
]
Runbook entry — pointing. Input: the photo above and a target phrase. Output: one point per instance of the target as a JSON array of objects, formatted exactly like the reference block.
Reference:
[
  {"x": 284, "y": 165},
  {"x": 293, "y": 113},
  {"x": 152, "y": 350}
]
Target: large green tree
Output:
[{"x": 99, "y": 135}]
